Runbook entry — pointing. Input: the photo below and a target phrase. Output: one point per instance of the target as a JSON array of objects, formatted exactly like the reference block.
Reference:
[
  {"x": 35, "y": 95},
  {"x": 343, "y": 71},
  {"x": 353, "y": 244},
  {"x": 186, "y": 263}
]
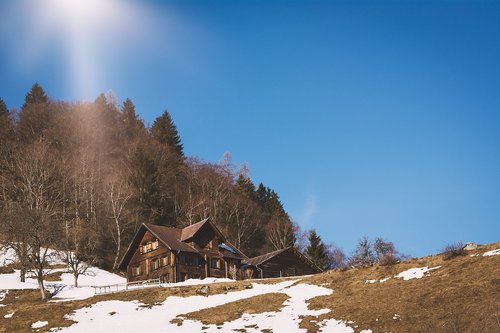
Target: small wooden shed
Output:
[{"x": 280, "y": 263}]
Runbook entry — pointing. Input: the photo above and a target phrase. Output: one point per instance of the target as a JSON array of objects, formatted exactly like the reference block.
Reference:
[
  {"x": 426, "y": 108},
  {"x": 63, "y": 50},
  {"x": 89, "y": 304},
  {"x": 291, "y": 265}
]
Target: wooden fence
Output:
[{"x": 113, "y": 288}]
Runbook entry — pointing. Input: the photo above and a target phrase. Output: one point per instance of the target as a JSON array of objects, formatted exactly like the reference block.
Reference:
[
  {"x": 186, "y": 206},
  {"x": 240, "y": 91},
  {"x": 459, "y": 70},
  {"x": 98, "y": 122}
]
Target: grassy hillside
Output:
[{"x": 462, "y": 295}]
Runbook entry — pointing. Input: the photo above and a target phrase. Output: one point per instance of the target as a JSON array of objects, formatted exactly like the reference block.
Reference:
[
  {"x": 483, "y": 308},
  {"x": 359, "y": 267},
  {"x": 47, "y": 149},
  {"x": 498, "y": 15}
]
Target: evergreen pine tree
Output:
[
  {"x": 35, "y": 116},
  {"x": 317, "y": 251},
  {"x": 165, "y": 132},
  {"x": 131, "y": 122},
  {"x": 3, "y": 108},
  {"x": 36, "y": 95},
  {"x": 6, "y": 128}
]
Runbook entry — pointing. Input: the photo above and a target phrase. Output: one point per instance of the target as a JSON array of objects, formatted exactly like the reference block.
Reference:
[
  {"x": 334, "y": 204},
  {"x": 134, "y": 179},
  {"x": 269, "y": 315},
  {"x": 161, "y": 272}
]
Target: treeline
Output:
[{"x": 84, "y": 176}]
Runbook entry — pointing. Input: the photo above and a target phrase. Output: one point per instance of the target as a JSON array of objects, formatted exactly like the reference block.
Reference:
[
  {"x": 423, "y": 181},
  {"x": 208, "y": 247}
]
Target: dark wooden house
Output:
[
  {"x": 173, "y": 254},
  {"x": 280, "y": 263}
]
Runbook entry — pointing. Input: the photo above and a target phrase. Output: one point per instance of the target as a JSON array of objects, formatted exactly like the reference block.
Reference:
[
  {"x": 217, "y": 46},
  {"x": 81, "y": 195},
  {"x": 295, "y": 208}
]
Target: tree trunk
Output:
[
  {"x": 23, "y": 274},
  {"x": 42, "y": 289},
  {"x": 76, "y": 279},
  {"x": 118, "y": 245}
]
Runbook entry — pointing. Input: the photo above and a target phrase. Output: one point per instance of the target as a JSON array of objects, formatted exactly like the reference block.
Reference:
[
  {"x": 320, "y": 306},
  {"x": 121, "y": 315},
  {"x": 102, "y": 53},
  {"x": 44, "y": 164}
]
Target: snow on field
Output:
[
  {"x": 492, "y": 253},
  {"x": 63, "y": 288},
  {"x": 415, "y": 273},
  {"x": 7, "y": 256},
  {"x": 194, "y": 282},
  {"x": 39, "y": 324},
  {"x": 375, "y": 281},
  {"x": 9, "y": 315},
  {"x": 130, "y": 316}
]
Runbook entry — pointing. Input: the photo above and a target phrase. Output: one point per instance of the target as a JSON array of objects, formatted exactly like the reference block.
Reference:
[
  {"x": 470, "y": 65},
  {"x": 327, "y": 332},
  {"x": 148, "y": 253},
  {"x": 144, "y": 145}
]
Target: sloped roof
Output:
[
  {"x": 176, "y": 239},
  {"x": 191, "y": 230},
  {"x": 265, "y": 257},
  {"x": 225, "y": 250},
  {"x": 170, "y": 237},
  {"x": 255, "y": 261}
]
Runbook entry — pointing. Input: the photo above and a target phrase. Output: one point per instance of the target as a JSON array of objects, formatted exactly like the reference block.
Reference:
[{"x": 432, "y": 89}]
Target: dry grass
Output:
[
  {"x": 29, "y": 308},
  {"x": 55, "y": 276},
  {"x": 234, "y": 310},
  {"x": 461, "y": 296}
]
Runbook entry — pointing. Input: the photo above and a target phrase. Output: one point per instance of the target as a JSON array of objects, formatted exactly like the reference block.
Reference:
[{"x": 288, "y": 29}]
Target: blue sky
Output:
[{"x": 378, "y": 118}]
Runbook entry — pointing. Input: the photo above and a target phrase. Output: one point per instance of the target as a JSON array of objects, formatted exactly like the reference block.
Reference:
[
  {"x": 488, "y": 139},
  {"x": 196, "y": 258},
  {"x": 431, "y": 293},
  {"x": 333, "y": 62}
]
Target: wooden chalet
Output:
[
  {"x": 280, "y": 263},
  {"x": 173, "y": 254}
]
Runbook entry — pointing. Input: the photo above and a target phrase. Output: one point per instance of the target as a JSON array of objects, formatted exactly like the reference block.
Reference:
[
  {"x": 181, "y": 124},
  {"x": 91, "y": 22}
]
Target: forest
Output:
[
  {"x": 84, "y": 176},
  {"x": 81, "y": 177}
]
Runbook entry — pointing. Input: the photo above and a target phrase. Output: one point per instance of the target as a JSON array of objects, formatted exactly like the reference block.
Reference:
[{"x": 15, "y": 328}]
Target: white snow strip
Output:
[
  {"x": 9, "y": 315},
  {"x": 39, "y": 324},
  {"x": 375, "y": 281},
  {"x": 415, "y": 273},
  {"x": 130, "y": 316},
  {"x": 7, "y": 256},
  {"x": 334, "y": 326},
  {"x": 194, "y": 282},
  {"x": 492, "y": 253}
]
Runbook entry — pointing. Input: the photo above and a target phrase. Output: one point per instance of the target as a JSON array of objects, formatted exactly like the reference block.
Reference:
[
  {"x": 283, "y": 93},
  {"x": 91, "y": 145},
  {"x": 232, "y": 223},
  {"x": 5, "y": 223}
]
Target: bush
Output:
[
  {"x": 388, "y": 259},
  {"x": 454, "y": 250},
  {"x": 6, "y": 269}
]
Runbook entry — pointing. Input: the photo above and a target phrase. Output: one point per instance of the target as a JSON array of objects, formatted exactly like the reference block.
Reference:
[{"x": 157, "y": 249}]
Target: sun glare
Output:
[{"x": 84, "y": 31}]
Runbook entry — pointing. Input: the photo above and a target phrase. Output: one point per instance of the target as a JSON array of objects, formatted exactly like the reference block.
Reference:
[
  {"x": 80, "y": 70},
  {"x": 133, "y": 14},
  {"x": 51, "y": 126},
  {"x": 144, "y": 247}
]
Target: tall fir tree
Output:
[
  {"x": 317, "y": 251},
  {"x": 6, "y": 126},
  {"x": 36, "y": 95},
  {"x": 133, "y": 125},
  {"x": 164, "y": 131},
  {"x": 35, "y": 115}
]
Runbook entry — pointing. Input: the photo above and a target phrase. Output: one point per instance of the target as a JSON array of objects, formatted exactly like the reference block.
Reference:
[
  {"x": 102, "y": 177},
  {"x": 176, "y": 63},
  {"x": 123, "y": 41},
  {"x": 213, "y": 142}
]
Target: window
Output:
[
  {"x": 149, "y": 246},
  {"x": 215, "y": 263},
  {"x": 196, "y": 261},
  {"x": 155, "y": 264},
  {"x": 182, "y": 259},
  {"x": 136, "y": 270},
  {"x": 164, "y": 261}
]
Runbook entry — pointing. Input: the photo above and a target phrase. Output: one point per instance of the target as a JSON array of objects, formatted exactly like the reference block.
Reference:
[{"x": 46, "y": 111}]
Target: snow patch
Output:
[
  {"x": 158, "y": 317},
  {"x": 334, "y": 326},
  {"x": 492, "y": 253},
  {"x": 415, "y": 273},
  {"x": 9, "y": 315},
  {"x": 194, "y": 282},
  {"x": 375, "y": 281},
  {"x": 39, "y": 324}
]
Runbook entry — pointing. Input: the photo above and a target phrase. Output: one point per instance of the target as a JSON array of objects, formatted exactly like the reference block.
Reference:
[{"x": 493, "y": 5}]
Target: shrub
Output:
[
  {"x": 6, "y": 269},
  {"x": 454, "y": 250},
  {"x": 388, "y": 259}
]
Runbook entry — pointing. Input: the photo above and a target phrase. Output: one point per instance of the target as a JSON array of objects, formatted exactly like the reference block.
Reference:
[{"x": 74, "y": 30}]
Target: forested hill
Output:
[{"x": 84, "y": 176}]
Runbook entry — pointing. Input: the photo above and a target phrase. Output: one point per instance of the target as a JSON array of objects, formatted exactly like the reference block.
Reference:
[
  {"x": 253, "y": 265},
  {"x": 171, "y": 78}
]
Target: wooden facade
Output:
[
  {"x": 174, "y": 255},
  {"x": 280, "y": 263}
]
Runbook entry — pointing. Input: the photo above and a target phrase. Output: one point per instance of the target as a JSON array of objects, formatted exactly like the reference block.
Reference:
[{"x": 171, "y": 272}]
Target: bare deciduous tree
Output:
[
  {"x": 118, "y": 195},
  {"x": 281, "y": 233}
]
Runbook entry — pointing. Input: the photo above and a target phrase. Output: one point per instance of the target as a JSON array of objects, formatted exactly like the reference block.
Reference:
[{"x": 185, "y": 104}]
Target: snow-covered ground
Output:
[
  {"x": 492, "y": 253},
  {"x": 415, "y": 273},
  {"x": 130, "y": 316},
  {"x": 62, "y": 289}
]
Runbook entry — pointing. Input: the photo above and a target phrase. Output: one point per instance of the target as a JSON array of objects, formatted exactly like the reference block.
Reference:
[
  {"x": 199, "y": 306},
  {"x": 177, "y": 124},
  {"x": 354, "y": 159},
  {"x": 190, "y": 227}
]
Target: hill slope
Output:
[{"x": 428, "y": 294}]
